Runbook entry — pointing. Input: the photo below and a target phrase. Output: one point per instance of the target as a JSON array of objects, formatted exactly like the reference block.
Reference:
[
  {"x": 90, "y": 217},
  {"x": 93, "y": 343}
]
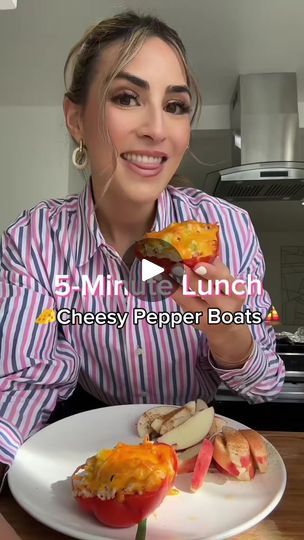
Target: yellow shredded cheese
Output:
[
  {"x": 126, "y": 469},
  {"x": 188, "y": 238}
]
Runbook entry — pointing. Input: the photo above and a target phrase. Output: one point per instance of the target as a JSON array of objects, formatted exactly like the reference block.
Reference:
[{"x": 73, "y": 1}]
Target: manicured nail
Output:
[
  {"x": 201, "y": 271},
  {"x": 178, "y": 270}
]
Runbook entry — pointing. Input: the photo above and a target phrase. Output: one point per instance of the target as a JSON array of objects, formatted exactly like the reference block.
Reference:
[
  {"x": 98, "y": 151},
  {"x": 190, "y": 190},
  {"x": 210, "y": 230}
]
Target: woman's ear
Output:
[{"x": 73, "y": 120}]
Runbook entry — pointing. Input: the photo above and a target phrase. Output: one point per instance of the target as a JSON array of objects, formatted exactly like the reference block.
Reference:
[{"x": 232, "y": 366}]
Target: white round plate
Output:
[{"x": 39, "y": 480}]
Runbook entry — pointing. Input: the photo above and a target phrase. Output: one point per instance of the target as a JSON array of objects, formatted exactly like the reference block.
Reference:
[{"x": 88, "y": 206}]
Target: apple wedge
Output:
[
  {"x": 222, "y": 458},
  {"x": 144, "y": 424},
  {"x": 191, "y": 406},
  {"x": 217, "y": 426},
  {"x": 157, "y": 424},
  {"x": 257, "y": 447},
  {"x": 237, "y": 446},
  {"x": 190, "y": 432},
  {"x": 200, "y": 405},
  {"x": 177, "y": 418},
  {"x": 239, "y": 453},
  {"x": 187, "y": 459}
]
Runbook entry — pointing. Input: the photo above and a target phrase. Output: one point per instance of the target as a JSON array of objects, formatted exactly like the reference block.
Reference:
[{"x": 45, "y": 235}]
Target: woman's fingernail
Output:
[
  {"x": 201, "y": 271},
  {"x": 178, "y": 270}
]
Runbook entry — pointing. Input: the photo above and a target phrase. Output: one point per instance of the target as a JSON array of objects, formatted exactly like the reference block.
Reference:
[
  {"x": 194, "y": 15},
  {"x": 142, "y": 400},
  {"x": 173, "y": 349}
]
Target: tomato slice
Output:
[{"x": 202, "y": 464}]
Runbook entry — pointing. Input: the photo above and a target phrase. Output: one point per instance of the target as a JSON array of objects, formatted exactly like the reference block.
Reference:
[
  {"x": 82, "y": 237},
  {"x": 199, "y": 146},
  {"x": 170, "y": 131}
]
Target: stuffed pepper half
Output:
[{"x": 122, "y": 486}]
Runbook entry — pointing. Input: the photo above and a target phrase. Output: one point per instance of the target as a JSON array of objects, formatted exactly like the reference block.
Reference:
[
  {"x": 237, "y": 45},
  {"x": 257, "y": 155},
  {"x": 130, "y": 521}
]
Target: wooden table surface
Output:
[{"x": 285, "y": 522}]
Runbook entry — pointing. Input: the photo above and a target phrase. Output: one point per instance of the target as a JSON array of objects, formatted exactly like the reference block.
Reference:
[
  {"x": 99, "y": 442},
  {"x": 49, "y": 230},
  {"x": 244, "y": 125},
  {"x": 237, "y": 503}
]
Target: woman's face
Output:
[{"x": 147, "y": 115}]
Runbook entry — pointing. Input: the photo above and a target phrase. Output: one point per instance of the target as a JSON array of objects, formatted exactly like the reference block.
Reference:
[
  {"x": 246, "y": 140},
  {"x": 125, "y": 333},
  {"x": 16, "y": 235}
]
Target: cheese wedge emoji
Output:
[{"x": 47, "y": 316}]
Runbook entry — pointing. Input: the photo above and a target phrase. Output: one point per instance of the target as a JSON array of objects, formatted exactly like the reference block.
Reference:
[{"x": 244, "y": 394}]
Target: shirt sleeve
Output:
[
  {"x": 37, "y": 364},
  {"x": 262, "y": 376}
]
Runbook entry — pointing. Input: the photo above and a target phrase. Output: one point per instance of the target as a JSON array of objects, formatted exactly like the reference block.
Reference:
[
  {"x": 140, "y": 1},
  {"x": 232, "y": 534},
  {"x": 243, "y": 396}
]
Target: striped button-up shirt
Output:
[{"x": 40, "y": 364}]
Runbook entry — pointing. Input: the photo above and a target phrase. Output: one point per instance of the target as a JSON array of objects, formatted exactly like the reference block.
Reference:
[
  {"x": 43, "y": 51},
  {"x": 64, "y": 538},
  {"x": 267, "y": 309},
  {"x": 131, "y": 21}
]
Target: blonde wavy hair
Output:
[{"x": 130, "y": 30}]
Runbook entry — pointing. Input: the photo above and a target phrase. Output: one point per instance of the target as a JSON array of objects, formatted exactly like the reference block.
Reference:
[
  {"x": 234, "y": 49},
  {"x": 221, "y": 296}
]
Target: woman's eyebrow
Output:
[{"x": 178, "y": 88}]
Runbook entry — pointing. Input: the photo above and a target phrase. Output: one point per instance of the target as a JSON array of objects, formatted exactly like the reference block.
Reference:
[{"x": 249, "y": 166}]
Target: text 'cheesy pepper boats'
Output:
[{"x": 123, "y": 485}]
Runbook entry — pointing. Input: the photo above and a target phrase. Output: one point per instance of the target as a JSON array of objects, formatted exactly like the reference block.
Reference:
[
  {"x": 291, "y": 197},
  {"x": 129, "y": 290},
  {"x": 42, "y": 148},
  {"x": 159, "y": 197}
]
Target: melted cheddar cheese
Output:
[
  {"x": 189, "y": 239},
  {"x": 126, "y": 469}
]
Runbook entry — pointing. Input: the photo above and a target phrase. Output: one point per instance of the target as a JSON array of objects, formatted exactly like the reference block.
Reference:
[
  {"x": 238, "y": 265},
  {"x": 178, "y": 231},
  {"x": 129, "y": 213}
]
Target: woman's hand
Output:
[{"x": 230, "y": 344}]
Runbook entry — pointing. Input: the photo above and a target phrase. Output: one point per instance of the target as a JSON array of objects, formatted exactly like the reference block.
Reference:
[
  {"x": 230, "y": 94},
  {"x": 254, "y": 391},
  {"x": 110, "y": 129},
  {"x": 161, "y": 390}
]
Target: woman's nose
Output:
[{"x": 153, "y": 125}]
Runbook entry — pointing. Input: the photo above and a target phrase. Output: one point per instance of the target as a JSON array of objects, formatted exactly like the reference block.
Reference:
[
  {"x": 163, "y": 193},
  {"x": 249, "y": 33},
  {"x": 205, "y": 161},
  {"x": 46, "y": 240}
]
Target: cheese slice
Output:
[{"x": 47, "y": 316}]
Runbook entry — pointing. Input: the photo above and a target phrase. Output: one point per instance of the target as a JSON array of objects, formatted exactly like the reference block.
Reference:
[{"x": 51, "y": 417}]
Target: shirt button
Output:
[
  {"x": 142, "y": 397},
  {"x": 139, "y": 351}
]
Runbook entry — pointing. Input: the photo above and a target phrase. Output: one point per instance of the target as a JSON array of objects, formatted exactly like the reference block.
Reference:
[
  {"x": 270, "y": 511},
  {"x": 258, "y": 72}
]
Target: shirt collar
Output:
[
  {"x": 90, "y": 238},
  {"x": 163, "y": 211}
]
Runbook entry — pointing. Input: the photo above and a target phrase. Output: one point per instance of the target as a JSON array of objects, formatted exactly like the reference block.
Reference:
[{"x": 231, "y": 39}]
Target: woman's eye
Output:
[
  {"x": 126, "y": 100},
  {"x": 177, "y": 107}
]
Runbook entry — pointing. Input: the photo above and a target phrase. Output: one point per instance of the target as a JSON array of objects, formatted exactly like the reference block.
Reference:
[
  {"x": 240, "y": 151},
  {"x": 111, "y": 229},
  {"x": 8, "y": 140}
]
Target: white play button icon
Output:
[{"x": 150, "y": 270}]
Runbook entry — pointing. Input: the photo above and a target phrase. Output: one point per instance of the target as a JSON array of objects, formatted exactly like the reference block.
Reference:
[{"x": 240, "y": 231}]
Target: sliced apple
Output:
[
  {"x": 249, "y": 472},
  {"x": 190, "y": 432},
  {"x": 175, "y": 421},
  {"x": 239, "y": 452},
  {"x": 144, "y": 423},
  {"x": 221, "y": 456},
  {"x": 223, "y": 460},
  {"x": 257, "y": 447},
  {"x": 202, "y": 465},
  {"x": 237, "y": 446},
  {"x": 177, "y": 418},
  {"x": 187, "y": 459},
  {"x": 217, "y": 426},
  {"x": 157, "y": 424},
  {"x": 169, "y": 415},
  {"x": 191, "y": 406},
  {"x": 200, "y": 405}
]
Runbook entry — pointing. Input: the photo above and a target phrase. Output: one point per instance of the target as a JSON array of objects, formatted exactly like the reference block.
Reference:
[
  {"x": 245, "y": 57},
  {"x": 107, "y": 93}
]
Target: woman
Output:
[{"x": 129, "y": 109}]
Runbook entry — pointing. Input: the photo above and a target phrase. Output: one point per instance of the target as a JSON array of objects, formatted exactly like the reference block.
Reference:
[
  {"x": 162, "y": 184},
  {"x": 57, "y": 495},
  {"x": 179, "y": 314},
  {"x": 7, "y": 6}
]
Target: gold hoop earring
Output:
[{"x": 80, "y": 156}]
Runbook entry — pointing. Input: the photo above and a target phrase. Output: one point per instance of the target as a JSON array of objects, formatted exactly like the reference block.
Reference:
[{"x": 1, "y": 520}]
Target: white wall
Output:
[{"x": 34, "y": 156}]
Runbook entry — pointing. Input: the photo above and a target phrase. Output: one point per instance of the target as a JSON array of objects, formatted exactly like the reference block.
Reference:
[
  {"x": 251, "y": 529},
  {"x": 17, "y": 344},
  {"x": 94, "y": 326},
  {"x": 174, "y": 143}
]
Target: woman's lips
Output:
[{"x": 145, "y": 169}]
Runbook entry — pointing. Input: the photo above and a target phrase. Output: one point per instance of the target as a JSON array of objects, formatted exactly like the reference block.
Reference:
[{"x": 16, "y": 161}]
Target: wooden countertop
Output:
[{"x": 286, "y": 522}]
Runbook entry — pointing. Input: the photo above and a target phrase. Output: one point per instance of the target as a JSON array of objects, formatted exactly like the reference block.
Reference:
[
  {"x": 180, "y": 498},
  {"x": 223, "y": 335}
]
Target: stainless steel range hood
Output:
[{"x": 266, "y": 156}]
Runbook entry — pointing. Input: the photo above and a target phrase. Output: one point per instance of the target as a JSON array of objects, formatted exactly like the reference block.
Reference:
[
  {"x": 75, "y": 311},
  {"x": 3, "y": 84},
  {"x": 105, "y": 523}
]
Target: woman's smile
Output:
[{"x": 145, "y": 163}]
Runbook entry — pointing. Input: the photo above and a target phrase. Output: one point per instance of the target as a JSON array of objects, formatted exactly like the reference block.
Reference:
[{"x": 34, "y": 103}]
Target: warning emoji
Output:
[{"x": 47, "y": 316}]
